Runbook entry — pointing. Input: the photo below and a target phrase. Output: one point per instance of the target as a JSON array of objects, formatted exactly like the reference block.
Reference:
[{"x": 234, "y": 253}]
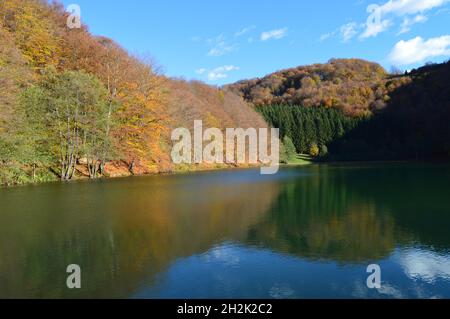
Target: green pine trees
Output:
[{"x": 310, "y": 130}]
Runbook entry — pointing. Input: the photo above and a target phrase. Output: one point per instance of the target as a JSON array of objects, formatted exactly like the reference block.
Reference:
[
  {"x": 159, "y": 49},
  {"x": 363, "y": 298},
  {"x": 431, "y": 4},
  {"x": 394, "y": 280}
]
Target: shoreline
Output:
[{"x": 86, "y": 179}]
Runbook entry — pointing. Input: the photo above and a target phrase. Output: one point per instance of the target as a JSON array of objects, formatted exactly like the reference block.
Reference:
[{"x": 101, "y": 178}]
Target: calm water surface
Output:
[{"x": 304, "y": 233}]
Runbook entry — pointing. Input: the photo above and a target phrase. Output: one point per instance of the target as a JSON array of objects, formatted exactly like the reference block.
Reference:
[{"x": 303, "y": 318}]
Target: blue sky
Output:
[{"x": 221, "y": 42}]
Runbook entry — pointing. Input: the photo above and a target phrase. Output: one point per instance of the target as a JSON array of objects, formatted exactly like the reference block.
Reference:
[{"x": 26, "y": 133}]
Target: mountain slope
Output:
[
  {"x": 386, "y": 116},
  {"x": 356, "y": 87},
  {"x": 120, "y": 126},
  {"x": 415, "y": 123}
]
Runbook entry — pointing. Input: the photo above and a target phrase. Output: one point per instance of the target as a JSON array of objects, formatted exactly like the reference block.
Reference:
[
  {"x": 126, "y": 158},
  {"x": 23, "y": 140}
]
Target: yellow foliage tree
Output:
[
  {"x": 141, "y": 117},
  {"x": 314, "y": 150},
  {"x": 33, "y": 31}
]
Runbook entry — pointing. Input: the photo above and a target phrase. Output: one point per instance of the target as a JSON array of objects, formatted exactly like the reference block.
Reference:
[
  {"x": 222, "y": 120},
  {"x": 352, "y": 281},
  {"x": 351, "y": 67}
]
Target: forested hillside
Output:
[
  {"x": 75, "y": 105},
  {"x": 412, "y": 124},
  {"x": 354, "y": 86},
  {"x": 415, "y": 123}
]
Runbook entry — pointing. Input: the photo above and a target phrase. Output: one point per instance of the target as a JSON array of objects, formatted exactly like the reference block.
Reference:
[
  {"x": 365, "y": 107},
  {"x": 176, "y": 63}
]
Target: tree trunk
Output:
[
  {"x": 34, "y": 172},
  {"x": 131, "y": 167},
  {"x": 102, "y": 167},
  {"x": 93, "y": 168}
]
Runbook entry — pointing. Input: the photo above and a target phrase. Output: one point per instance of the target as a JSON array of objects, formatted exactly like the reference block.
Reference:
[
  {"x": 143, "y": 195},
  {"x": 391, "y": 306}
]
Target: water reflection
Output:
[
  {"x": 425, "y": 265},
  {"x": 304, "y": 233},
  {"x": 235, "y": 271}
]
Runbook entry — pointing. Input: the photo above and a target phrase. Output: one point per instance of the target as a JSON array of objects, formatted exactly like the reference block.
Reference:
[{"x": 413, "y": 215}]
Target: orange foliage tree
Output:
[{"x": 141, "y": 117}]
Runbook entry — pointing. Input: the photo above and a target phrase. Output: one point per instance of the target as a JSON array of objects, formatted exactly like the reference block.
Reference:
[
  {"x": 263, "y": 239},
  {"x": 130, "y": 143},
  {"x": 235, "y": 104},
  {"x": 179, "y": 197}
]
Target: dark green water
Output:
[{"x": 304, "y": 233}]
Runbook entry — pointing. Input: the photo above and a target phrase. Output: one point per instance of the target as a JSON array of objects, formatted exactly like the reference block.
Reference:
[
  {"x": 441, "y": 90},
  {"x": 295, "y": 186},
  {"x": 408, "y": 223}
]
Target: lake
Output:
[{"x": 307, "y": 232}]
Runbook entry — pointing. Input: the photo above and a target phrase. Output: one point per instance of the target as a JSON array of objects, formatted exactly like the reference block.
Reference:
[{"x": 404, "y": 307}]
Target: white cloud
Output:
[
  {"x": 221, "y": 72},
  {"x": 244, "y": 31},
  {"x": 219, "y": 46},
  {"x": 378, "y": 23},
  {"x": 274, "y": 34},
  {"x": 221, "y": 49},
  {"x": 418, "y": 50},
  {"x": 217, "y": 39},
  {"x": 408, "y": 22},
  {"x": 373, "y": 28},
  {"x": 348, "y": 31},
  {"x": 404, "y": 7},
  {"x": 326, "y": 36},
  {"x": 200, "y": 71}
]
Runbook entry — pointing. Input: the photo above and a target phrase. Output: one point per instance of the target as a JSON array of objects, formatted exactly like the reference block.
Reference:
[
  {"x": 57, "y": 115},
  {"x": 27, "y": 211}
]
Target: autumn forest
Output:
[{"x": 74, "y": 105}]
